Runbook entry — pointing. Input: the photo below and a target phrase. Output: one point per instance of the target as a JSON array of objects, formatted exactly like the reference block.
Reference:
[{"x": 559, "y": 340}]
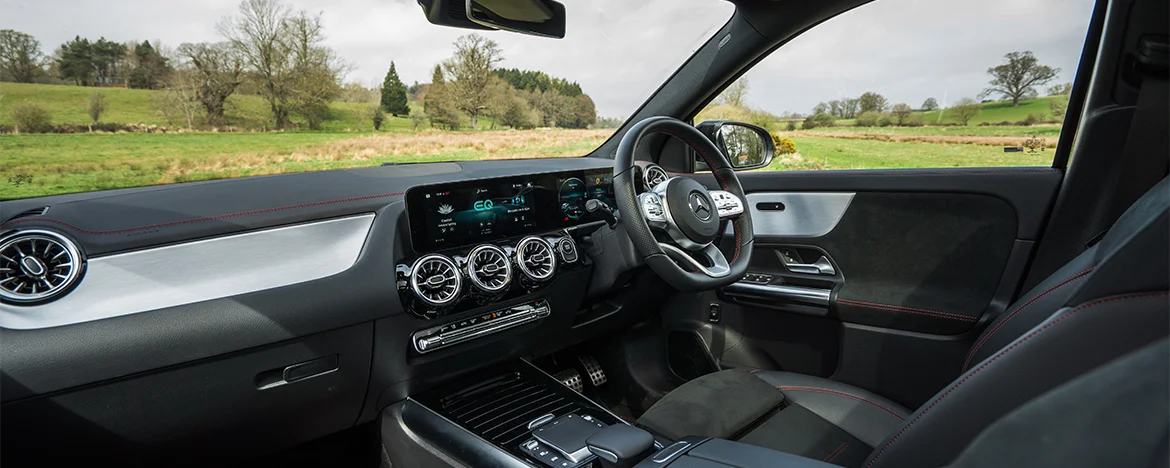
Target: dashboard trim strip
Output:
[{"x": 174, "y": 275}]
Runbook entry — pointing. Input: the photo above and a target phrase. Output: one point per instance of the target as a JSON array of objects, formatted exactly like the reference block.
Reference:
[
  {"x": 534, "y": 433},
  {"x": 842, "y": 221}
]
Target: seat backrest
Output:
[
  {"x": 1118, "y": 256},
  {"x": 1115, "y": 415},
  {"x": 1121, "y": 304}
]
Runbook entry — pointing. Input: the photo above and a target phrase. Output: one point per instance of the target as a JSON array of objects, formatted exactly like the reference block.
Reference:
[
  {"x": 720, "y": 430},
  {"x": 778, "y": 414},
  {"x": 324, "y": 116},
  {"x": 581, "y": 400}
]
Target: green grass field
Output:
[
  {"x": 838, "y": 154},
  {"x": 68, "y": 105},
  {"x": 1048, "y": 131},
  {"x": 996, "y": 112},
  {"x": 64, "y": 163}
]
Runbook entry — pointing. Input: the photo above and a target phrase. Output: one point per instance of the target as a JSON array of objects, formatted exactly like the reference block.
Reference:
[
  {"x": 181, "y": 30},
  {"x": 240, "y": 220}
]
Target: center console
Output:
[
  {"x": 517, "y": 416},
  {"x": 525, "y": 416}
]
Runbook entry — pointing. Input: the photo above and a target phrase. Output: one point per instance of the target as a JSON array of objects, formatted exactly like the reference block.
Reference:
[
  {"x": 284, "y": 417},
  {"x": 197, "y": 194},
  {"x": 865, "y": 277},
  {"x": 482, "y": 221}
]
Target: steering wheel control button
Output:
[
  {"x": 726, "y": 203},
  {"x": 652, "y": 210}
]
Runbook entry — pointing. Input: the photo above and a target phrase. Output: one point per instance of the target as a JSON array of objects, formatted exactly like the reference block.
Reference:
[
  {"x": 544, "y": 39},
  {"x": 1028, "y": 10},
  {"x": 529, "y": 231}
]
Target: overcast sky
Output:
[{"x": 621, "y": 50}]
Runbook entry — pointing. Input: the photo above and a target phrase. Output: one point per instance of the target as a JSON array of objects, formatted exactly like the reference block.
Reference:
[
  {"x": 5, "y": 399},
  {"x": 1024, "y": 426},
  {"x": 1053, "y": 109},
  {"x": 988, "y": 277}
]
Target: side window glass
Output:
[{"x": 913, "y": 84}]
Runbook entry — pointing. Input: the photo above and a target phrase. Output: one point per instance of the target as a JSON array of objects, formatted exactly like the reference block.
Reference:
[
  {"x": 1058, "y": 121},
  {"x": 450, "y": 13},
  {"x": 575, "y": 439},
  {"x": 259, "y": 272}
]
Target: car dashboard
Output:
[{"x": 250, "y": 315}]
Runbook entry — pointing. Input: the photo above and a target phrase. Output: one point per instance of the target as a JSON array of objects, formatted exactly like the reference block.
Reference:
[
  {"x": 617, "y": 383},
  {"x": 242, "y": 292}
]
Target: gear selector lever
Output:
[{"x": 620, "y": 446}]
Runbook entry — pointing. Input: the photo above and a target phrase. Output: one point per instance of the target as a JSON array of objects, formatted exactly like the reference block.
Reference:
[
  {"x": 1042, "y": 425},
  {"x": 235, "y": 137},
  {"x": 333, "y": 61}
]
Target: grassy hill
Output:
[
  {"x": 68, "y": 104},
  {"x": 999, "y": 111}
]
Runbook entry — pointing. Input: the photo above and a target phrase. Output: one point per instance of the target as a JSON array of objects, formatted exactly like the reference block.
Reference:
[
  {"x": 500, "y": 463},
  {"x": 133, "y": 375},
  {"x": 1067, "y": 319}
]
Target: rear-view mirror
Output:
[
  {"x": 746, "y": 146},
  {"x": 544, "y": 18}
]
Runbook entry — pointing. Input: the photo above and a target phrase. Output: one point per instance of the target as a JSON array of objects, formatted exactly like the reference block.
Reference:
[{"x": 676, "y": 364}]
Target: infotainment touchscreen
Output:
[{"x": 467, "y": 212}]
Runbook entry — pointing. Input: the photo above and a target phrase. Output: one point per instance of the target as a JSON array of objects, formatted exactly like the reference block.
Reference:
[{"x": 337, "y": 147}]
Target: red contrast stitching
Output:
[
  {"x": 1003, "y": 352},
  {"x": 910, "y": 310},
  {"x": 703, "y": 153},
  {"x": 983, "y": 340},
  {"x": 201, "y": 219},
  {"x": 840, "y": 393},
  {"x": 837, "y": 451}
]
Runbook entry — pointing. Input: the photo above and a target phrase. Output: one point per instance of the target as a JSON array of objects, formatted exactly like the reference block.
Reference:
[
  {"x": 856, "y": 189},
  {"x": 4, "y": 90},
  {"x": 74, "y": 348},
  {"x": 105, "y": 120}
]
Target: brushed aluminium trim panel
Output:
[
  {"x": 152, "y": 279},
  {"x": 810, "y": 214}
]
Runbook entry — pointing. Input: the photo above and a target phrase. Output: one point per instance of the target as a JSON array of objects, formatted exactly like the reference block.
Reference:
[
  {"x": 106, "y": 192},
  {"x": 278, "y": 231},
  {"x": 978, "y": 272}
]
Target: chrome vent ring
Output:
[
  {"x": 652, "y": 175},
  {"x": 535, "y": 257},
  {"x": 435, "y": 280},
  {"x": 489, "y": 269},
  {"x": 37, "y": 266}
]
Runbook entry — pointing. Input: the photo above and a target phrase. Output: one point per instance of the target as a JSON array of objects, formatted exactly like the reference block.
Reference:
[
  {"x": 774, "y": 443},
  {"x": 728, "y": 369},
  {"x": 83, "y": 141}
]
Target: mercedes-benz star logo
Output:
[{"x": 699, "y": 206}]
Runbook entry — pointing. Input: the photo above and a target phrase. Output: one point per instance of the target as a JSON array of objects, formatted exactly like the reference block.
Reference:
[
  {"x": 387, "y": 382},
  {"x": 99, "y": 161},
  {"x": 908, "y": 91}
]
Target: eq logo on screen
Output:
[{"x": 483, "y": 205}]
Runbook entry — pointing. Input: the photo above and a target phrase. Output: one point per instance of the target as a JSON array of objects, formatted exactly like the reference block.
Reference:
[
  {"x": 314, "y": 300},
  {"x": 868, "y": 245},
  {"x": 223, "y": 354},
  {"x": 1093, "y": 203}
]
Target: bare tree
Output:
[
  {"x": 316, "y": 70},
  {"x": 965, "y": 109},
  {"x": 216, "y": 72},
  {"x": 850, "y": 108},
  {"x": 20, "y": 56},
  {"x": 736, "y": 94},
  {"x": 1015, "y": 78},
  {"x": 258, "y": 34},
  {"x": 183, "y": 97},
  {"x": 470, "y": 76}
]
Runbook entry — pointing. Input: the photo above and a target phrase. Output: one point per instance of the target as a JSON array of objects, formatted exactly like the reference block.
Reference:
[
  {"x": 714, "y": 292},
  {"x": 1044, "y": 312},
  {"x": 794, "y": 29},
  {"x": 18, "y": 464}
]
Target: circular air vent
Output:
[
  {"x": 37, "y": 266},
  {"x": 653, "y": 175},
  {"x": 489, "y": 268},
  {"x": 435, "y": 280},
  {"x": 535, "y": 258}
]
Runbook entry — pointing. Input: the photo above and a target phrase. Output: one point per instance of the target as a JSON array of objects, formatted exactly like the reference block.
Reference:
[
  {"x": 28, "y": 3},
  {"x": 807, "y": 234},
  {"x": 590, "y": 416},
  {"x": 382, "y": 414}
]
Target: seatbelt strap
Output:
[{"x": 1146, "y": 156}]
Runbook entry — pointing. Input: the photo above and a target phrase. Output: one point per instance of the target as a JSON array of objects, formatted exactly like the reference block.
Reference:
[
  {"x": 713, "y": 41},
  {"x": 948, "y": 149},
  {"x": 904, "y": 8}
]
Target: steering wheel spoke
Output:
[
  {"x": 727, "y": 204},
  {"x": 714, "y": 263},
  {"x": 674, "y": 224}
]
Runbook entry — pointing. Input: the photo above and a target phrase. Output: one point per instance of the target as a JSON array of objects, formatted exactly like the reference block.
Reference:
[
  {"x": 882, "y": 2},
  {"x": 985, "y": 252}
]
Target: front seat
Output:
[{"x": 1108, "y": 301}]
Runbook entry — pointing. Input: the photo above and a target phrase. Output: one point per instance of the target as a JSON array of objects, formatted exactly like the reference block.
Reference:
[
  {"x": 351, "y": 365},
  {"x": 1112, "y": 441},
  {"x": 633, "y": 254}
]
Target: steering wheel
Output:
[{"x": 685, "y": 214}]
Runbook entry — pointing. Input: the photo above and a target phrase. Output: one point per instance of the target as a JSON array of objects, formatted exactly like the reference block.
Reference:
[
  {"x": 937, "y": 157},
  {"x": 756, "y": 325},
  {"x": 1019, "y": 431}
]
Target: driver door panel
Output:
[{"x": 917, "y": 260}]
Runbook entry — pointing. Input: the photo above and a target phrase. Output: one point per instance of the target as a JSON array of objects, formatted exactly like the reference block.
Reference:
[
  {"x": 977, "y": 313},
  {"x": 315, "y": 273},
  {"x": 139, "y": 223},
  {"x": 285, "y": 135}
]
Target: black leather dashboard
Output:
[{"x": 129, "y": 378}]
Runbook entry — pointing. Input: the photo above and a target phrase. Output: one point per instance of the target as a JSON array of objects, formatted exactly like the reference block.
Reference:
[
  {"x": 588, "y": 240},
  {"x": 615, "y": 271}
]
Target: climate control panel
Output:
[{"x": 448, "y": 334}]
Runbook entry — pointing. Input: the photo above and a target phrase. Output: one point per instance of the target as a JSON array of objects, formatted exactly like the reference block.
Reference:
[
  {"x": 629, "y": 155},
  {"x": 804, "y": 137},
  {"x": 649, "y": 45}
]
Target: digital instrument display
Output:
[{"x": 461, "y": 213}]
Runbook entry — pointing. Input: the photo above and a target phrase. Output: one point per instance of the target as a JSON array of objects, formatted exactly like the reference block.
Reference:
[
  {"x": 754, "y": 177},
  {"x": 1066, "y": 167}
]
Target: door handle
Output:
[{"x": 819, "y": 267}]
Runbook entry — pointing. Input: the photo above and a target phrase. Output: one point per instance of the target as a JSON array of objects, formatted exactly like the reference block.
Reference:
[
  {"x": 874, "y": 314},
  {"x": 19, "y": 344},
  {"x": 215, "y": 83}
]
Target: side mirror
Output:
[
  {"x": 746, "y": 146},
  {"x": 544, "y": 18}
]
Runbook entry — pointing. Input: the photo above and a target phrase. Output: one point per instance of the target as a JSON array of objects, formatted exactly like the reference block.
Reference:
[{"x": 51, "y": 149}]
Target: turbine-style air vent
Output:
[
  {"x": 653, "y": 175},
  {"x": 535, "y": 258},
  {"x": 37, "y": 266},
  {"x": 435, "y": 280},
  {"x": 489, "y": 269}
]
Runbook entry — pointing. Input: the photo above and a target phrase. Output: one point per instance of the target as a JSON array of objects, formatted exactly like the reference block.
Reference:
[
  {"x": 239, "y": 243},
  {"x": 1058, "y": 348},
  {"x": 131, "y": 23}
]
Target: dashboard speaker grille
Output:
[
  {"x": 37, "y": 266},
  {"x": 499, "y": 409},
  {"x": 535, "y": 258},
  {"x": 435, "y": 280}
]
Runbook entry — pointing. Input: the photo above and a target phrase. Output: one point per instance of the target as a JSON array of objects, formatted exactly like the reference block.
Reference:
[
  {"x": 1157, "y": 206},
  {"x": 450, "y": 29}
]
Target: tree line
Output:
[
  {"x": 278, "y": 53},
  {"x": 83, "y": 62},
  {"x": 1015, "y": 79},
  {"x": 468, "y": 86}
]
